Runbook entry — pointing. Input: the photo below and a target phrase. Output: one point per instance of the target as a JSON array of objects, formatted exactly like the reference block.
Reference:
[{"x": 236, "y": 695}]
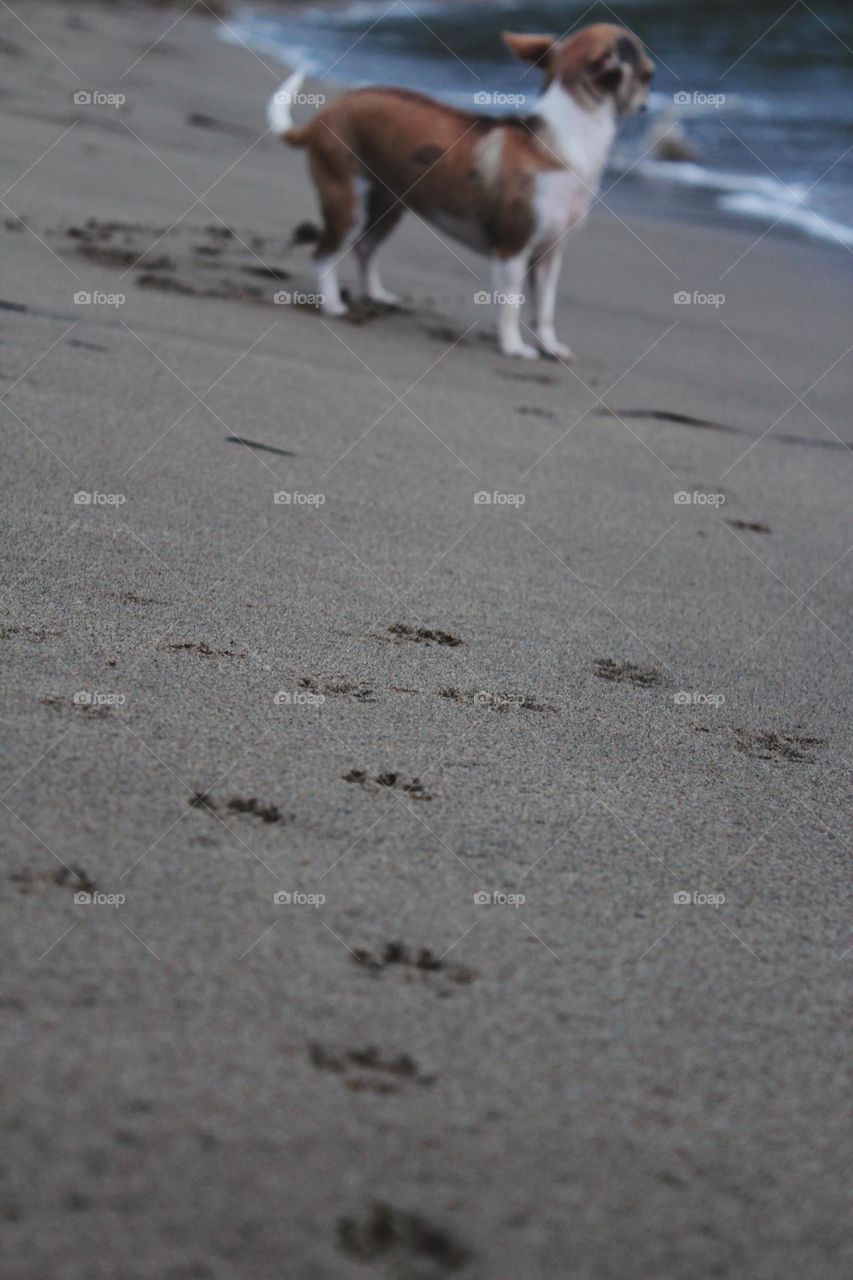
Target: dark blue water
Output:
[{"x": 764, "y": 98}]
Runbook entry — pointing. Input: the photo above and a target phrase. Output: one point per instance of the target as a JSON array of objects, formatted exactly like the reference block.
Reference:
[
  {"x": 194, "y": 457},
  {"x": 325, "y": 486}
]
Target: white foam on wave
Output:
[
  {"x": 264, "y": 36},
  {"x": 358, "y": 11},
  {"x": 688, "y": 173},
  {"x": 750, "y": 205},
  {"x": 749, "y": 196}
]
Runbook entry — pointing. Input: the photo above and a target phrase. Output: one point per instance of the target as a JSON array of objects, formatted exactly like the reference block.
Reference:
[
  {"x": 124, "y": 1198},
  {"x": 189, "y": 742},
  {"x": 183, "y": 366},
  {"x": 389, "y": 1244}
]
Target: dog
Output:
[{"x": 510, "y": 187}]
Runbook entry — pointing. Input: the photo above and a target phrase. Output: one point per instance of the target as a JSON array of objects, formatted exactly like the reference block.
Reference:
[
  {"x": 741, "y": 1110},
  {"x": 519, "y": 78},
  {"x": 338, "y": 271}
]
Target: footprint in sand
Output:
[
  {"x": 365, "y": 1070},
  {"x": 790, "y": 748},
  {"x": 423, "y": 635},
  {"x": 645, "y": 677},
  {"x": 406, "y": 1243},
  {"x": 389, "y": 780},
  {"x": 413, "y": 963}
]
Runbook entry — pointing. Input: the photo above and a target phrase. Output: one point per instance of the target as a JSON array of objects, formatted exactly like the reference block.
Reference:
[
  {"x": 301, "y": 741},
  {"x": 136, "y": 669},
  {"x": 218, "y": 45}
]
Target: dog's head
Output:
[{"x": 598, "y": 63}]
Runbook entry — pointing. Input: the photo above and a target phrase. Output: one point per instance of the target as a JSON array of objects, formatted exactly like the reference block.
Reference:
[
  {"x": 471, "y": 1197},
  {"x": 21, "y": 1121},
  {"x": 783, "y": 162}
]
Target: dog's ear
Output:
[{"x": 535, "y": 49}]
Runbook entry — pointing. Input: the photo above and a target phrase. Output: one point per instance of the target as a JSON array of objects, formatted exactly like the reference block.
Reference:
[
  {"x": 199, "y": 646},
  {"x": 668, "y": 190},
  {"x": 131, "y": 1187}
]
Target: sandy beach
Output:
[{"x": 399, "y": 883}]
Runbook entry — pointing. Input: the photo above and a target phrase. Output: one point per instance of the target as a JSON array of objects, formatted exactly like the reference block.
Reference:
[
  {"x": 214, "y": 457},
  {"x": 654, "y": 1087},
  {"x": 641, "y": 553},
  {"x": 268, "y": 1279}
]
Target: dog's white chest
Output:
[
  {"x": 560, "y": 202},
  {"x": 582, "y": 140}
]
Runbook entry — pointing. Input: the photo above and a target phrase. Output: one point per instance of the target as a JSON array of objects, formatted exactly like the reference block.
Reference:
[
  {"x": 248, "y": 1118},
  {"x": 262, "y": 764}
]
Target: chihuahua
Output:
[{"x": 511, "y": 187}]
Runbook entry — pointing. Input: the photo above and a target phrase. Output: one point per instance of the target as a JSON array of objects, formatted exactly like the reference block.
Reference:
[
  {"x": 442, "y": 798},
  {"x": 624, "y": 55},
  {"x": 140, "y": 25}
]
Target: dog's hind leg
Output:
[
  {"x": 382, "y": 212},
  {"x": 339, "y": 205}
]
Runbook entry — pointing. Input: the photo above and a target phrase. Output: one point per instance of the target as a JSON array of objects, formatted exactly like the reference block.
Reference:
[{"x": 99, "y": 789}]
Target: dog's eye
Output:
[
  {"x": 611, "y": 78},
  {"x": 646, "y": 77}
]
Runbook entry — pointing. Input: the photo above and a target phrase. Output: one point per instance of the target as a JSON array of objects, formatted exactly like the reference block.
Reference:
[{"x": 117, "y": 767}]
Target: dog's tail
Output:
[{"x": 279, "y": 117}]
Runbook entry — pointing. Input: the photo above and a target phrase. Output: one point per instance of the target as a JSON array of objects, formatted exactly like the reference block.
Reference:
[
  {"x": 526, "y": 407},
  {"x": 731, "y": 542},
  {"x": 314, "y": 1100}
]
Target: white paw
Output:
[
  {"x": 384, "y": 295},
  {"x": 520, "y": 348},
  {"x": 553, "y": 347},
  {"x": 335, "y": 308}
]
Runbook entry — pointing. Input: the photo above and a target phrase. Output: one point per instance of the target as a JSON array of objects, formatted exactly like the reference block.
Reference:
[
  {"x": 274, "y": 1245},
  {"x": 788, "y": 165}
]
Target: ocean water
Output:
[{"x": 761, "y": 94}]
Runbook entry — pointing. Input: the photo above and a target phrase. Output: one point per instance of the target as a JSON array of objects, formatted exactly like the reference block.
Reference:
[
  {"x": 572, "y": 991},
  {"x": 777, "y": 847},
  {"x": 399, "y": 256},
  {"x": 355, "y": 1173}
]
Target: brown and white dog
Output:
[{"x": 510, "y": 187}]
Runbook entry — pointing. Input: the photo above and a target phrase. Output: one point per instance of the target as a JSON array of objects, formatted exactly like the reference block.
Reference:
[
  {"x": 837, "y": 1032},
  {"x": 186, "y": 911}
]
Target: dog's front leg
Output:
[
  {"x": 331, "y": 302},
  {"x": 509, "y": 277},
  {"x": 547, "y": 271}
]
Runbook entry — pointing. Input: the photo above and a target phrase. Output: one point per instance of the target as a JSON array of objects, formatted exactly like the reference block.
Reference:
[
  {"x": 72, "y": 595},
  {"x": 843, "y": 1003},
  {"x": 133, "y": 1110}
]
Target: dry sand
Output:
[{"x": 599, "y": 1083}]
